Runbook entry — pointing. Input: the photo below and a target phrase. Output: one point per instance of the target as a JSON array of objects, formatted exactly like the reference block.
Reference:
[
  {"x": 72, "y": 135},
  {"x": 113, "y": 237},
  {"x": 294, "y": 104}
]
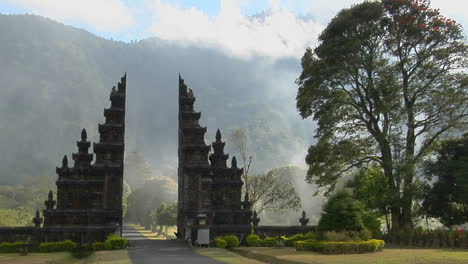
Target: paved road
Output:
[{"x": 146, "y": 251}]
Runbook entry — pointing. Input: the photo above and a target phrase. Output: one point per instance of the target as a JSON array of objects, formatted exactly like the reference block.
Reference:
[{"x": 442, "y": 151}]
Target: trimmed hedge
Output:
[
  {"x": 268, "y": 242},
  {"x": 115, "y": 242},
  {"x": 7, "y": 247},
  {"x": 253, "y": 240},
  {"x": 348, "y": 247},
  {"x": 232, "y": 241},
  {"x": 429, "y": 239},
  {"x": 289, "y": 241},
  {"x": 98, "y": 246},
  {"x": 220, "y": 243},
  {"x": 66, "y": 245}
]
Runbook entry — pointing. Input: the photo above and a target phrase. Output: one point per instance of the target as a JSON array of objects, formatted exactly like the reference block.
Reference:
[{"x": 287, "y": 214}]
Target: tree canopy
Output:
[
  {"x": 448, "y": 197},
  {"x": 341, "y": 212},
  {"x": 387, "y": 80}
]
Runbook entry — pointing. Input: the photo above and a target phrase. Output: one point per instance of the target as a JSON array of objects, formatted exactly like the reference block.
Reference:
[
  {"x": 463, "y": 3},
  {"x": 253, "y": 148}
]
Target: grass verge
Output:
[
  {"x": 101, "y": 257},
  {"x": 387, "y": 256},
  {"x": 225, "y": 256}
]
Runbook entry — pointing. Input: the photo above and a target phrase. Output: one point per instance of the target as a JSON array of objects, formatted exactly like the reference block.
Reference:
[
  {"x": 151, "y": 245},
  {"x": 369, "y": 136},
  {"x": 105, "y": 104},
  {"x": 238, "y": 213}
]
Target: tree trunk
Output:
[{"x": 407, "y": 199}]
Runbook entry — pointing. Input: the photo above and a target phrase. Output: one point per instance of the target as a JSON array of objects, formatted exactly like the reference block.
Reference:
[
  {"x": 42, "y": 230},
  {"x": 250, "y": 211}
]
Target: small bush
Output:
[
  {"x": 14, "y": 247},
  {"x": 220, "y": 243},
  {"x": 253, "y": 240},
  {"x": 82, "y": 251},
  {"x": 232, "y": 241},
  {"x": 115, "y": 242},
  {"x": 340, "y": 247},
  {"x": 98, "y": 246},
  {"x": 268, "y": 242},
  {"x": 289, "y": 241},
  {"x": 66, "y": 245}
]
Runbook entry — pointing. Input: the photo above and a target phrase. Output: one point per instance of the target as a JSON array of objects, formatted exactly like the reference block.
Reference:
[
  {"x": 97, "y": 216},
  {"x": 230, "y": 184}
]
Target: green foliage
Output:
[
  {"x": 341, "y": 212},
  {"x": 149, "y": 196},
  {"x": 349, "y": 247},
  {"x": 82, "y": 251},
  {"x": 166, "y": 215},
  {"x": 372, "y": 224},
  {"x": 385, "y": 75},
  {"x": 18, "y": 203},
  {"x": 20, "y": 216},
  {"x": 98, "y": 246},
  {"x": 429, "y": 239},
  {"x": 448, "y": 197},
  {"x": 268, "y": 242},
  {"x": 220, "y": 243},
  {"x": 127, "y": 190},
  {"x": 232, "y": 241},
  {"x": 66, "y": 245},
  {"x": 7, "y": 247},
  {"x": 289, "y": 241},
  {"x": 115, "y": 242},
  {"x": 253, "y": 240}
]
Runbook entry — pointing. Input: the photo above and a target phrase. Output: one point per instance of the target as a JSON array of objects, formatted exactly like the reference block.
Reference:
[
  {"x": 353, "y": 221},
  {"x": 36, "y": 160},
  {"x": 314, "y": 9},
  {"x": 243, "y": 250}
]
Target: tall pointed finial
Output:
[
  {"x": 303, "y": 220},
  {"x": 218, "y": 135},
  {"x": 65, "y": 161},
  {"x": 113, "y": 89},
  {"x": 49, "y": 203},
  {"x": 84, "y": 135},
  {"x": 234, "y": 162},
  {"x": 37, "y": 220}
]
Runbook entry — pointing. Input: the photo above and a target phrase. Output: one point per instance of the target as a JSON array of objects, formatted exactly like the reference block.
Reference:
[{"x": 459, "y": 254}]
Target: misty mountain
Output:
[{"x": 56, "y": 79}]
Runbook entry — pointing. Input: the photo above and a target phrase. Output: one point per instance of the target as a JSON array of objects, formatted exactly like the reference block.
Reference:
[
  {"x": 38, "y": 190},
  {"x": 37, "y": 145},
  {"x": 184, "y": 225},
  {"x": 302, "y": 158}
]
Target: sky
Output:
[{"x": 241, "y": 28}]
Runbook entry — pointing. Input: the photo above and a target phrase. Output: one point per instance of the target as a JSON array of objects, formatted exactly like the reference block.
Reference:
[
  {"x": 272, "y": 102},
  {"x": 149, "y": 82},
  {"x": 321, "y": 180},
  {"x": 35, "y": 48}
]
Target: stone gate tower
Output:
[
  {"x": 206, "y": 185},
  {"x": 89, "y": 196}
]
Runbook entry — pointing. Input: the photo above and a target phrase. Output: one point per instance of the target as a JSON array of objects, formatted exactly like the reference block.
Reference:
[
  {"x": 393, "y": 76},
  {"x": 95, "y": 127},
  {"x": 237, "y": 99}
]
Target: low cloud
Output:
[
  {"x": 103, "y": 15},
  {"x": 278, "y": 33}
]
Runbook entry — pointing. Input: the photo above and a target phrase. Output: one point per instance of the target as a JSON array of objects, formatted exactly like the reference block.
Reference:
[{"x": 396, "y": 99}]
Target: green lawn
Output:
[
  {"x": 387, "y": 256},
  {"x": 99, "y": 257},
  {"x": 226, "y": 256}
]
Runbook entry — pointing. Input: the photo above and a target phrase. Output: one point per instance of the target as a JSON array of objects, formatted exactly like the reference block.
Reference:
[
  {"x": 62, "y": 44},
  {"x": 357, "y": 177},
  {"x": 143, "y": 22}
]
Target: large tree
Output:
[
  {"x": 387, "y": 80},
  {"x": 448, "y": 197},
  {"x": 274, "y": 191}
]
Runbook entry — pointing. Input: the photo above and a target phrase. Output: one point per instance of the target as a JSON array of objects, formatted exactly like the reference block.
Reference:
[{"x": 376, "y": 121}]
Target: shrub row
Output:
[
  {"x": 66, "y": 245},
  {"x": 7, "y": 247},
  {"x": 432, "y": 239},
  {"x": 229, "y": 241},
  {"x": 347, "y": 247},
  {"x": 254, "y": 240}
]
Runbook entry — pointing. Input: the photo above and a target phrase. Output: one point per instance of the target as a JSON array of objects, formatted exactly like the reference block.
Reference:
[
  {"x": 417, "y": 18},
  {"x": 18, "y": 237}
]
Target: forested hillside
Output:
[{"x": 55, "y": 80}]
